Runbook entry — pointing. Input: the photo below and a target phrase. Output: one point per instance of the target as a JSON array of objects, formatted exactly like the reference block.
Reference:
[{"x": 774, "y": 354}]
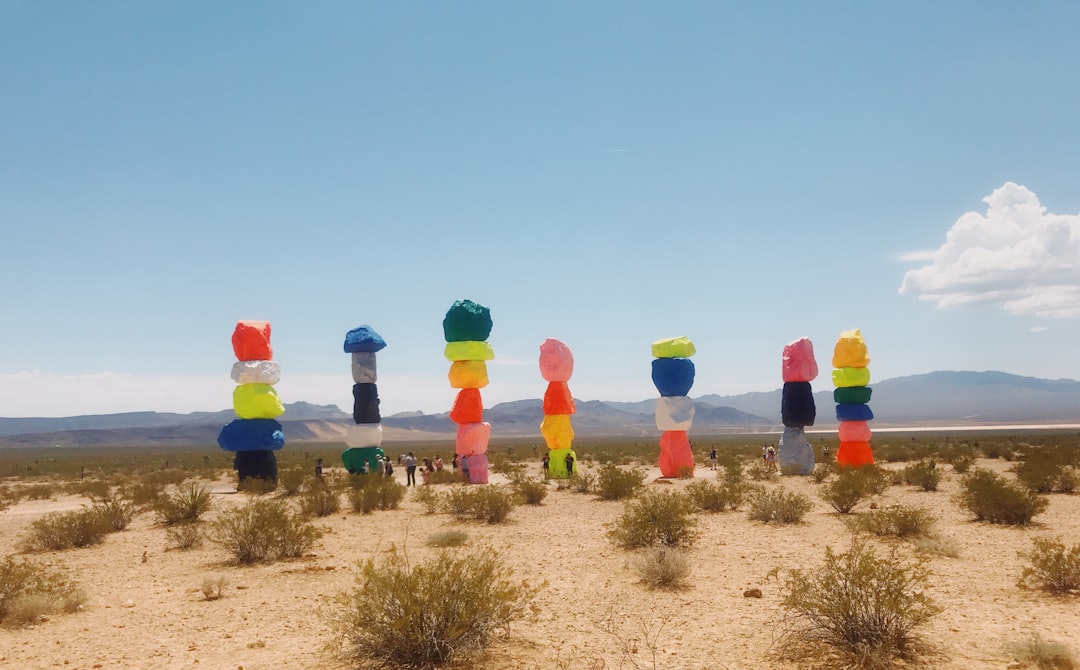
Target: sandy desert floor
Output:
[{"x": 152, "y": 614}]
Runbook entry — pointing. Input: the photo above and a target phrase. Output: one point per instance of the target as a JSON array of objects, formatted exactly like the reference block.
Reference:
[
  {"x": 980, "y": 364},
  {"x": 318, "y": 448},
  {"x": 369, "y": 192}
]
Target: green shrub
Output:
[
  {"x": 264, "y": 530},
  {"x": 65, "y": 530},
  {"x": 532, "y": 491},
  {"x": 821, "y": 472},
  {"x": 656, "y": 518},
  {"x": 1042, "y": 654},
  {"x": 992, "y": 498},
  {"x": 187, "y": 503},
  {"x": 28, "y": 590},
  {"x": 846, "y": 491},
  {"x": 445, "y": 477},
  {"x": 869, "y": 607},
  {"x": 615, "y": 483},
  {"x": 257, "y": 486},
  {"x": 94, "y": 489},
  {"x": 377, "y": 493},
  {"x": 732, "y": 470},
  {"x": 143, "y": 493},
  {"x": 425, "y": 615},
  {"x": 900, "y": 521},
  {"x": 759, "y": 473},
  {"x": 663, "y": 567},
  {"x": 1040, "y": 471},
  {"x": 448, "y": 538},
  {"x": 1052, "y": 566},
  {"x": 778, "y": 505},
  {"x": 583, "y": 481},
  {"x": 961, "y": 462},
  {"x": 706, "y": 496},
  {"x": 923, "y": 474},
  {"x": 483, "y": 503}
]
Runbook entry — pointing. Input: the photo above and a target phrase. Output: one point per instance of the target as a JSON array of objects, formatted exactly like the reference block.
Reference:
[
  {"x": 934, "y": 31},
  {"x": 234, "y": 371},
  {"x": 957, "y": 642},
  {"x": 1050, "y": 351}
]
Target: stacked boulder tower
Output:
[
  {"x": 673, "y": 375},
  {"x": 466, "y": 328},
  {"x": 797, "y": 409},
  {"x": 851, "y": 376},
  {"x": 363, "y": 440},
  {"x": 255, "y": 434},
  {"x": 556, "y": 367}
]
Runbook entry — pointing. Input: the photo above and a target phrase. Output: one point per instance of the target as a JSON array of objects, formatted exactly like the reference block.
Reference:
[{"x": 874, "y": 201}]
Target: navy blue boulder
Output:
[
  {"x": 853, "y": 412},
  {"x": 251, "y": 435},
  {"x": 797, "y": 405},
  {"x": 673, "y": 376}
]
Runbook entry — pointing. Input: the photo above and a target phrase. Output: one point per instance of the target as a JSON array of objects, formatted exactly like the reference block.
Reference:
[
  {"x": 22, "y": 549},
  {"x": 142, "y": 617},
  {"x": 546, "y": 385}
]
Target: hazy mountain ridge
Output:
[{"x": 955, "y": 398}]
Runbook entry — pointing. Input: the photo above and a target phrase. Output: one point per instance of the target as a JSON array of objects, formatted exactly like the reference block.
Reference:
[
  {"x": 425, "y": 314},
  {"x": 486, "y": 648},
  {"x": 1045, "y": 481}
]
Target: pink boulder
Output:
[
  {"x": 799, "y": 364},
  {"x": 556, "y": 361}
]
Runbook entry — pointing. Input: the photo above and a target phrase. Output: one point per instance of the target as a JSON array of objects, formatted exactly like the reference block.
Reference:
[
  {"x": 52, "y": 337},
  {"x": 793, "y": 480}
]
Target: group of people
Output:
[
  {"x": 569, "y": 460},
  {"x": 430, "y": 465}
]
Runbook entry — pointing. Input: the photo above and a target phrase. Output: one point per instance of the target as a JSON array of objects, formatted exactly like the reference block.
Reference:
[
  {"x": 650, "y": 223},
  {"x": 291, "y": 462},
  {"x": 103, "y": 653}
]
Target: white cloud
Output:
[
  {"x": 1038, "y": 329},
  {"x": 1017, "y": 256}
]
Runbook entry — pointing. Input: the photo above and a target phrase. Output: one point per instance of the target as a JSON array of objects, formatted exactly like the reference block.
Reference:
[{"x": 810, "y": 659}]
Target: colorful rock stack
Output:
[
  {"x": 364, "y": 438},
  {"x": 556, "y": 366},
  {"x": 466, "y": 328},
  {"x": 851, "y": 377},
  {"x": 255, "y": 435},
  {"x": 673, "y": 375},
  {"x": 797, "y": 409}
]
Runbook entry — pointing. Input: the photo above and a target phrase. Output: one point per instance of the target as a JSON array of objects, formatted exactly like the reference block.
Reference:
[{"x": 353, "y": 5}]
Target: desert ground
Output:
[{"x": 146, "y": 609}]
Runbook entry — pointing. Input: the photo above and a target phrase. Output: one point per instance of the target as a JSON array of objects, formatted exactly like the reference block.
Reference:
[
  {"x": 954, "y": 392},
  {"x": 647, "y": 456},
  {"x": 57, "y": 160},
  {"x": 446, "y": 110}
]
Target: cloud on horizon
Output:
[{"x": 1017, "y": 256}]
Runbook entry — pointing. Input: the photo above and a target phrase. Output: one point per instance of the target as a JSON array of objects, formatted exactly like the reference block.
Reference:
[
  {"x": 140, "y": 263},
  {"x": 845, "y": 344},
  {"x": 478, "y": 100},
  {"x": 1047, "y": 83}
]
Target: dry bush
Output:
[
  {"x": 924, "y": 474},
  {"x": 264, "y": 530},
  {"x": 213, "y": 588},
  {"x": 448, "y": 538},
  {"x": 759, "y": 473},
  {"x": 731, "y": 470},
  {"x": 319, "y": 499},
  {"x": 445, "y": 477},
  {"x": 184, "y": 535},
  {"x": 367, "y": 494},
  {"x": 1052, "y": 566},
  {"x": 186, "y": 504},
  {"x": 1042, "y": 470},
  {"x": 936, "y": 545},
  {"x": 143, "y": 493},
  {"x": 779, "y": 505},
  {"x": 483, "y": 503},
  {"x": 821, "y": 472},
  {"x": 706, "y": 496},
  {"x": 532, "y": 491},
  {"x": 583, "y": 481},
  {"x": 29, "y": 590},
  {"x": 117, "y": 512},
  {"x": 663, "y": 567},
  {"x": 291, "y": 480},
  {"x": 1043, "y": 654},
  {"x": 685, "y": 472},
  {"x": 656, "y": 518},
  {"x": 66, "y": 530},
  {"x": 961, "y": 462},
  {"x": 994, "y": 499},
  {"x": 899, "y": 521},
  {"x": 846, "y": 491},
  {"x": 427, "y": 497},
  {"x": 615, "y": 483},
  {"x": 430, "y": 614},
  {"x": 39, "y": 492},
  {"x": 94, "y": 489},
  {"x": 868, "y": 607},
  {"x": 257, "y": 486}
]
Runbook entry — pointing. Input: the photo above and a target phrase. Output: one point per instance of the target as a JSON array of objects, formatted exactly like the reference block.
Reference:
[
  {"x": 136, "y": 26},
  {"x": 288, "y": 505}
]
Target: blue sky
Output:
[{"x": 606, "y": 173}]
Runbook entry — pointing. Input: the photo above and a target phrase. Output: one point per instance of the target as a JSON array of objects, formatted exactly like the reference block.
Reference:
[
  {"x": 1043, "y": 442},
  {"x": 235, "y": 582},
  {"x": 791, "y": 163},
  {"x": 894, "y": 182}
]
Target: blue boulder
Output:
[
  {"x": 853, "y": 412},
  {"x": 251, "y": 435},
  {"x": 673, "y": 376},
  {"x": 363, "y": 339}
]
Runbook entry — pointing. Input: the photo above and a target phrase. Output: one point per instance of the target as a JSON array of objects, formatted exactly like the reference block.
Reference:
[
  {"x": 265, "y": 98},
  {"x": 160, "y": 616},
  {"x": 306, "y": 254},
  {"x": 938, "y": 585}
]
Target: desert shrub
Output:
[
  {"x": 923, "y": 474},
  {"x": 264, "y": 530},
  {"x": 427, "y": 497},
  {"x": 583, "y": 481},
  {"x": 39, "y": 492},
  {"x": 1067, "y": 480},
  {"x": 65, "y": 530},
  {"x": 1040, "y": 470},
  {"x": 845, "y": 492},
  {"x": 483, "y": 503},
  {"x": 615, "y": 483},
  {"x": 1042, "y": 654},
  {"x": 1052, "y": 566},
  {"x": 532, "y": 491},
  {"x": 143, "y": 493},
  {"x": 706, "y": 496},
  {"x": 94, "y": 489},
  {"x": 379, "y": 493},
  {"x": 29, "y": 590},
  {"x": 429, "y": 614},
  {"x": 737, "y": 493},
  {"x": 900, "y": 521},
  {"x": 731, "y": 470},
  {"x": 184, "y": 535},
  {"x": 961, "y": 462},
  {"x": 291, "y": 481},
  {"x": 187, "y": 503},
  {"x": 778, "y": 505},
  {"x": 876, "y": 478},
  {"x": 445, "y": 477},
  {"x": 685, "y": 472},
  {"x": 115, "y": 513},
  {"x": 867, "y": 606},
  {"x": 213, "y": 588},
  {"x": 759, "y": 472},
  {"x": 994, "y": 499},
  {"x": 663, "y": 567},
  {"x": 257, "y": 486},
  {"x": 448, "y": 538},
  {"x": 656, "y": 519},
  {"x": 319, "y": 499},
  {"x": 821, "y": 472}
]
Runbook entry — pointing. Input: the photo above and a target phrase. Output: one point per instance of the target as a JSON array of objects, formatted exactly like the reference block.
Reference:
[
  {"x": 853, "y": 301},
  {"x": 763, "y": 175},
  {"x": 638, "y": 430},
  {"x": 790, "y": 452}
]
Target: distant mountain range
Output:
[{"x": 936, "y": 398}]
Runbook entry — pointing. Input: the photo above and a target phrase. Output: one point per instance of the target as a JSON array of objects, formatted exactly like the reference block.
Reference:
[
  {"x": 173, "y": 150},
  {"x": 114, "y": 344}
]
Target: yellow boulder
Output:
[
  {"x": 847, "y": 377},
  {"x": 673, "y": 347},
  {"x": 469, "y": 350},
  {"x": 257, "y": 401},
  {"x": 850, "y": 351},
  {"x": 557, "y": 431},
  {"x": 468, "y": 375}
]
